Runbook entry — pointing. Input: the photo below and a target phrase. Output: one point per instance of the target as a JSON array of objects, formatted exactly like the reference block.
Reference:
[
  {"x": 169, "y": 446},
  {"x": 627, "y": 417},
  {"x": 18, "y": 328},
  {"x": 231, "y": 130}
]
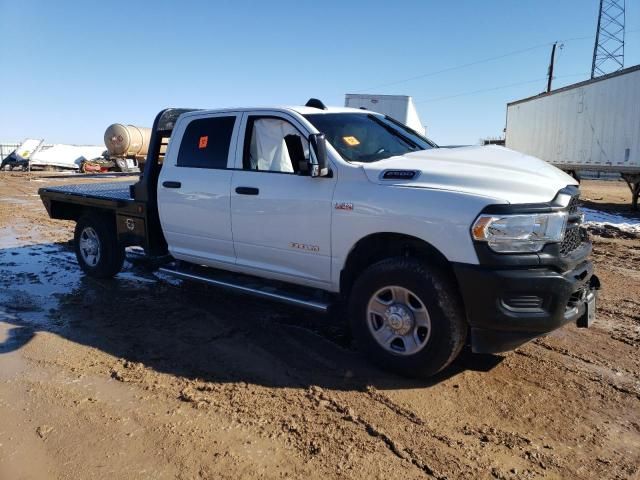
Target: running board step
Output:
[{"x": 310, "y": 299}]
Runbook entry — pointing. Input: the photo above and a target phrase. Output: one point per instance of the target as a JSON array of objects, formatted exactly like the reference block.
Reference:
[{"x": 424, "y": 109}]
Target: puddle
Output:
[
  {"x": 19, "y": 234},
  {"x": 35, "y": 279},
  {"x": 9, "y": 237},
  {"x": 141, "y": 315},
  {"x": 32, "y": 276}
]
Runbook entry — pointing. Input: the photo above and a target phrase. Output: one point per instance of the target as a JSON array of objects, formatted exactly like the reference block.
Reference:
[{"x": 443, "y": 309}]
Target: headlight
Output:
[{"x": 521, "y": 233}]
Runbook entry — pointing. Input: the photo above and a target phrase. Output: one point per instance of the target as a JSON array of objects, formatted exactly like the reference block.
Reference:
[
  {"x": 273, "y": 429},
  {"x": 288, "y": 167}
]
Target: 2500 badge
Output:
[{"x": 303, "y": 246}]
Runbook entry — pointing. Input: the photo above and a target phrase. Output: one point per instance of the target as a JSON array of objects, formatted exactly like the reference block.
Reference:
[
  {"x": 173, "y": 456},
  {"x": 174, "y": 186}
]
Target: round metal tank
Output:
[{"x": 127, "y": 140}]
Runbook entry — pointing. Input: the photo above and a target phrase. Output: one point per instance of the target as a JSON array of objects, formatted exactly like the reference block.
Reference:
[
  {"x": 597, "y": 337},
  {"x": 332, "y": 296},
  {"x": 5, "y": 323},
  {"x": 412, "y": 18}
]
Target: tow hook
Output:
[{"x": 589, "y": 297}]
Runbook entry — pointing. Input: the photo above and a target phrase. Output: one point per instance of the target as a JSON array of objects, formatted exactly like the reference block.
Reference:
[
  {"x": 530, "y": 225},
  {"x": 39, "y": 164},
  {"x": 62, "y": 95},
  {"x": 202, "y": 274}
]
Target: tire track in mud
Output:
[
  {"x": 449, "y": 458},
  {"x": 347, "y": 413},
  {"x": 589, "y": 361},
  {"x": 539, "y": 460},
  {"x": 410, "y": 416},
  {"x": 581, "y": 373}
]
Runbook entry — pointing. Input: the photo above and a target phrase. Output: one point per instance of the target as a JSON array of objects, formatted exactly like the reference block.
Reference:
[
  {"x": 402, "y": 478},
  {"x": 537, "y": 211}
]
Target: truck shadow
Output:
[{"x": 188, "y": 330}]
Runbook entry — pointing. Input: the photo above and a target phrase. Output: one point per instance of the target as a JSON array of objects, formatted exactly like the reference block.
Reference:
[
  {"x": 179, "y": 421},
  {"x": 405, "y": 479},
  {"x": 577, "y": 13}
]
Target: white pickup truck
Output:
[{"x": 313, "y": 206}]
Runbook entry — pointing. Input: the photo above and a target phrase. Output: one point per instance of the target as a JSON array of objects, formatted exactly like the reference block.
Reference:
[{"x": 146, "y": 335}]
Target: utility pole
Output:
[
  {"x": 608, "y": 51},
  {"x": 550, "y": 71}
]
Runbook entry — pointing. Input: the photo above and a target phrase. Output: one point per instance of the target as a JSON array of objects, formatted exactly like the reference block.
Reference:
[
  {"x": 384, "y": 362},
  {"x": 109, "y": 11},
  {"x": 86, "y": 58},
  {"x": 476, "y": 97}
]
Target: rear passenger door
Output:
[{"x": 194, "y": 186}]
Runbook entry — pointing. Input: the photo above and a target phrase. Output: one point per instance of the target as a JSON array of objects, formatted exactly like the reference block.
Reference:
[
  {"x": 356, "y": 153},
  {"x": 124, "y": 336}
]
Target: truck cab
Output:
[{"x": 428, "y": 248}]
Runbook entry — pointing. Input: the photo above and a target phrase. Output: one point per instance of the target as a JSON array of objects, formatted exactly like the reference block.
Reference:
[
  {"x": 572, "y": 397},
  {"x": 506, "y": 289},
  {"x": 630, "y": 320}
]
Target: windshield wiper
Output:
[{"x": 394, "y": 132}]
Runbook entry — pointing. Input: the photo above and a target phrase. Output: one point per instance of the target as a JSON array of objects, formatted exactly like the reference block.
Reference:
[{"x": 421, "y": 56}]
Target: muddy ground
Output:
[{"x": 145, "y": 377}]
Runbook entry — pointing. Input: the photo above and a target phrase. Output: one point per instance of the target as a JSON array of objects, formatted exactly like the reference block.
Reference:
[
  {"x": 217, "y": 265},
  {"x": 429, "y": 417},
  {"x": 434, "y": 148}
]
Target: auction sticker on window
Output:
[
  {"x": 351, "y": 141},
  {"x": 203, "y": 142}
]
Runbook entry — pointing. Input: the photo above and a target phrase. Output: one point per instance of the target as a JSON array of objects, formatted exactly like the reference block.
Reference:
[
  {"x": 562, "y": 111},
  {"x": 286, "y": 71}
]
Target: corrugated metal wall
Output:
[
  {"x": 594, "y": 126},
  {"x": 6, "y": 149}
]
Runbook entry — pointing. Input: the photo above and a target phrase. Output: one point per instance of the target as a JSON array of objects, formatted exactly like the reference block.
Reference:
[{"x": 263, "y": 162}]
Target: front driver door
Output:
[{"x": 281, "y": 220}]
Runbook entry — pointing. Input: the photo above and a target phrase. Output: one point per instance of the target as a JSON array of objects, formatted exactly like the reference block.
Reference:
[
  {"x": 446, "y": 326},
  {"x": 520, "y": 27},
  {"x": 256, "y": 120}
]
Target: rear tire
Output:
[
  {"x": 407, "y": 317},
  {"x": 96, "y": 245}
]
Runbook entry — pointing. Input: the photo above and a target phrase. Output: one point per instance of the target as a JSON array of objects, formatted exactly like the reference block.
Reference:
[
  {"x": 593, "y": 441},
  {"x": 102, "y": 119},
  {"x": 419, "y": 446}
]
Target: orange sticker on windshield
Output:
[
  {"x": 351, "y": 141},
  {"x": 203, "y": 142}
]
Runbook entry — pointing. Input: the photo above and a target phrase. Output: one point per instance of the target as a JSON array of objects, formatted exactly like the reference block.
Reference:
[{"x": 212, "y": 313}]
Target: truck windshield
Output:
[{"x": 368, "y": 137}]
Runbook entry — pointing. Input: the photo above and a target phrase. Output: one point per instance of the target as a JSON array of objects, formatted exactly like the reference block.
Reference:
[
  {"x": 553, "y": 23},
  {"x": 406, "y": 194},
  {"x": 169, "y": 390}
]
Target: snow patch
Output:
[{"x": 597, "y": 218}]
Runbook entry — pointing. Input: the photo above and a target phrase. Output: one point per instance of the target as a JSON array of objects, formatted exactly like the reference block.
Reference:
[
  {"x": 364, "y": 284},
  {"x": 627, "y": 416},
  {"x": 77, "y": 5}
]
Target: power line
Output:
[
  {"x": 501, "y": 87},
  {"x": 477, "y": 62},
  {"x": 457, "y": 67}
]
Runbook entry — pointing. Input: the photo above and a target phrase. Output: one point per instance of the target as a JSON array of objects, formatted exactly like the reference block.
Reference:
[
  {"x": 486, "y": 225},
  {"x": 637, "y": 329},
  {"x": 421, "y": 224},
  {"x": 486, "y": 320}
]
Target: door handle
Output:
[
  {"x": 247, "y": 191},
  {"x": 171, "y": 184}
]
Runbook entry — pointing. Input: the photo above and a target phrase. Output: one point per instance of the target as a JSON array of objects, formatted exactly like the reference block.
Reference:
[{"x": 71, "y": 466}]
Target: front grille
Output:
[
  {"x": 574, "y": 235},
  {"x": 573, "y": 204},
  {"x": 573, "y": 238}
]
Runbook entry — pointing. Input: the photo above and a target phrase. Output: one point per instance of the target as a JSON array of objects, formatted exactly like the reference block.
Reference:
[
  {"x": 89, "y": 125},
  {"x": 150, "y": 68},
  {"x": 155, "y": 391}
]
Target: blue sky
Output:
[{"x": 69, "y": 69}]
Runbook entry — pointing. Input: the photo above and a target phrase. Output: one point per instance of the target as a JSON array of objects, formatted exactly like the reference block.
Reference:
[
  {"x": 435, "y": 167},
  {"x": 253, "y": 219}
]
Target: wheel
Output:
[
  {"x": 96, "y": 244},
  {"x": 407, "y": 317}
]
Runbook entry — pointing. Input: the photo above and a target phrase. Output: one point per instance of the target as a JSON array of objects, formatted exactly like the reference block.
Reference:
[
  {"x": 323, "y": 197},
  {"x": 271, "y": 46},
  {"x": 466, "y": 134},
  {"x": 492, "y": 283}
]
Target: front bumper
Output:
[{"x": 507, "y": 307}]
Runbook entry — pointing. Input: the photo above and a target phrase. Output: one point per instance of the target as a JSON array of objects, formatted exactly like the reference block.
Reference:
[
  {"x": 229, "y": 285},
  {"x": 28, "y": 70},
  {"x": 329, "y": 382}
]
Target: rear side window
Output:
[{"x": 205, "y": 143}]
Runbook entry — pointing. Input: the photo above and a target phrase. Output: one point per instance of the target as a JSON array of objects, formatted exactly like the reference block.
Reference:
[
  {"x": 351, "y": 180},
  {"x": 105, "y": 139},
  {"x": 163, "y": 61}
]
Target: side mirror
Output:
[{"x": 318, "y": 163}]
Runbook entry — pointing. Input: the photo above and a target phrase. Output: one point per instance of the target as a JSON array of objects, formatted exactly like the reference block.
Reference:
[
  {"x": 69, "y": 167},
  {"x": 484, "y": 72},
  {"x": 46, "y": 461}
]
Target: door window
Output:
[
  {"x": 273, "y": 145},
  {"x": 205, "y": 143}
]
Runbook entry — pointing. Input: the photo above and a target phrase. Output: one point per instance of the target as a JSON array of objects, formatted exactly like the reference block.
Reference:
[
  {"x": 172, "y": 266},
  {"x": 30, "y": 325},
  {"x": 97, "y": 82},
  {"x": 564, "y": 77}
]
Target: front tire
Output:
[
  {"x": 407, "y": 317},
  {"x": 96, "y": 245}
]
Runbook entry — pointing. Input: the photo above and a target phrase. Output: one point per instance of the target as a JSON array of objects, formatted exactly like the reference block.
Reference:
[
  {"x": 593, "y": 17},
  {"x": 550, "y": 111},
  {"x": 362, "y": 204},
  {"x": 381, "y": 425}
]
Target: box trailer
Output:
[
  {"x": 400, "y": 107},
  {"x": 591, "y": 125}
]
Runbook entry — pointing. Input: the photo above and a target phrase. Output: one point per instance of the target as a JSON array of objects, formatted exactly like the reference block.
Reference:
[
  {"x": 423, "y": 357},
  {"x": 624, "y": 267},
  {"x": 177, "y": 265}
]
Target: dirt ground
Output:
[{"x": 144, "y": 377}]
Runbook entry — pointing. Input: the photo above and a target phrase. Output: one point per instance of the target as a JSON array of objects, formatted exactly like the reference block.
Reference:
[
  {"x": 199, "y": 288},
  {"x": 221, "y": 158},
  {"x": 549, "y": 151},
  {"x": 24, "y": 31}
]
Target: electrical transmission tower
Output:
[{"x": 608, "y": 52}]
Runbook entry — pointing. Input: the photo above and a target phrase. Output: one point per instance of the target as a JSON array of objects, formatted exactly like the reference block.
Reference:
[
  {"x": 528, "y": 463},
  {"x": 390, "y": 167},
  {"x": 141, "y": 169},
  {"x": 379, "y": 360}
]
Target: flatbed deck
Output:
[{"x": 112, "y": 191}]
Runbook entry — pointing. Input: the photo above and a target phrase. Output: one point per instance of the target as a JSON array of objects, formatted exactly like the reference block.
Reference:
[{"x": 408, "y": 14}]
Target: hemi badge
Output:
[{"x": 344, "y": 206}]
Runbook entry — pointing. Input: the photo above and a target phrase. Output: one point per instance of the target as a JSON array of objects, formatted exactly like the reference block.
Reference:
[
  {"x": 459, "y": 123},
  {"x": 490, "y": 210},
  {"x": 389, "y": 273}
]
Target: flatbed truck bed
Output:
[{"x": 70, "y": 202}]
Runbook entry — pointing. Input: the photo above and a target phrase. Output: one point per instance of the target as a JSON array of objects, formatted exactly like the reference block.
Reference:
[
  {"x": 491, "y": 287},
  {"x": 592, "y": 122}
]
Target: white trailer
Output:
[
  {"x": 400, "y": 107},
  {"x": 66, "y": 156},
  {"x": 591, "y": 125}
]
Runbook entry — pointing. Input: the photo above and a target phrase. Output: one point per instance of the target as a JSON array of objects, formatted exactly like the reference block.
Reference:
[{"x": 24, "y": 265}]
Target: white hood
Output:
[{"x": 496, "y": 172}]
